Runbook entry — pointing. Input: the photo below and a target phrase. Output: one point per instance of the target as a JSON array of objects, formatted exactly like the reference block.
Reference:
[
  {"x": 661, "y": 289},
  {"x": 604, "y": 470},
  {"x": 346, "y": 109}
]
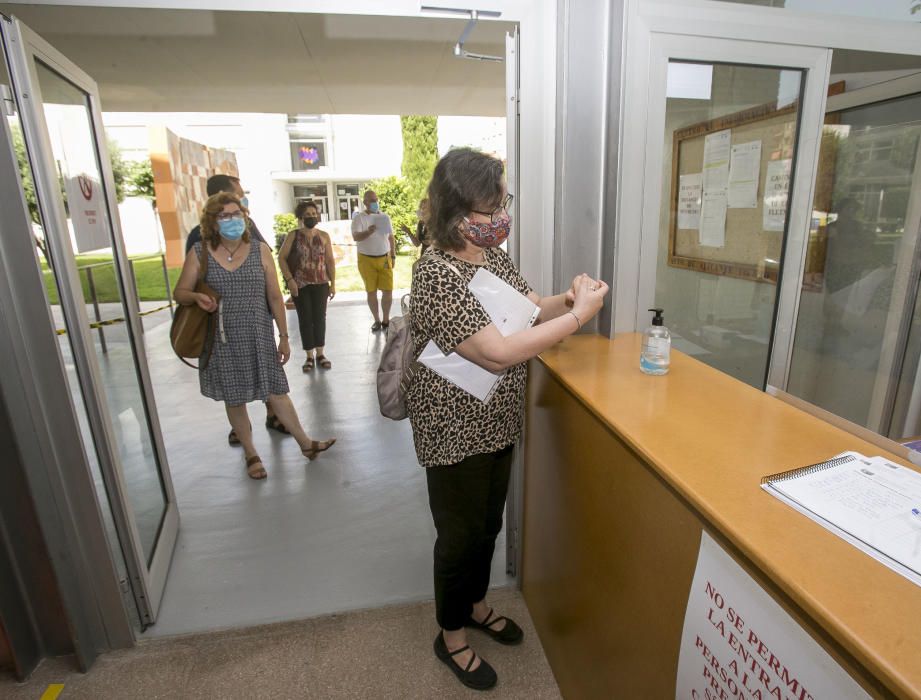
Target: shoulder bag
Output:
[{"x": 192, "y": 332}]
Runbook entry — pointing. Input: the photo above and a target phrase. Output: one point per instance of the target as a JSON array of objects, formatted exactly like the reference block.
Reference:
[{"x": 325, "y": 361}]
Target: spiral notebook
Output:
[{"x": 872, "y": 503}]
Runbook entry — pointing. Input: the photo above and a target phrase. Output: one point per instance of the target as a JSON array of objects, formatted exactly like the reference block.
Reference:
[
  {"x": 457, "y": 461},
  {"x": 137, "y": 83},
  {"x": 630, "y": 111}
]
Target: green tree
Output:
[
  {"x": 283, "y": 224},
  {"x": 915, "y": 7},
  {"x": 420, "y": 152},
  {"x": 398, "y": 203},
  {"x": 120, "y": 171},
  {"x": 140, "y": 180}
]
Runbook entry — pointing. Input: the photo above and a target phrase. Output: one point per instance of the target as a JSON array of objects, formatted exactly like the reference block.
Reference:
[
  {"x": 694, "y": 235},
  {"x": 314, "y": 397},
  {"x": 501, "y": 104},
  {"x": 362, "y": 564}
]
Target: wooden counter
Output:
[{"x": 624, "y": 470}]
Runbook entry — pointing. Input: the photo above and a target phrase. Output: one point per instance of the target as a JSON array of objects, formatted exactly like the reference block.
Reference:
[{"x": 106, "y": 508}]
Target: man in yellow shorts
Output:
[{"x": 373, "y": 232}]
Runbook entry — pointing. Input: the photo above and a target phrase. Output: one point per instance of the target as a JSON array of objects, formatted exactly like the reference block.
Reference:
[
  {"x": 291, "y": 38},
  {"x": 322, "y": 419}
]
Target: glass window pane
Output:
[
  {"x": 729, "y": 145},
  {"x": 858, "y": 261},
  {"x": 70, "y": 131}
]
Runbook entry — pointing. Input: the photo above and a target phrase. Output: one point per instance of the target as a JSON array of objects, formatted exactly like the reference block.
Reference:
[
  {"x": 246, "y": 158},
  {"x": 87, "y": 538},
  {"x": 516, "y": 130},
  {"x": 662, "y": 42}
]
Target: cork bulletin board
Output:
[{"x": 748, "y": 251}]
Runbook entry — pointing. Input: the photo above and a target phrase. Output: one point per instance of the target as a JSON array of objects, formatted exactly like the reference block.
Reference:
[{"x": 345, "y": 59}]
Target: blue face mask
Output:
[
  {"x": 232, "y": 229},
  {"x": 245, "y": 202},
  {"x": 374, "y": 207}
]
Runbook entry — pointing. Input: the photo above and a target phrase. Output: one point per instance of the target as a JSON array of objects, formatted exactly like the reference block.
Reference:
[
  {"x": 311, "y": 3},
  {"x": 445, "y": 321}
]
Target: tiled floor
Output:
[
  {"x": 351, "y": 530},
  {"x": 375, "y": 654}
]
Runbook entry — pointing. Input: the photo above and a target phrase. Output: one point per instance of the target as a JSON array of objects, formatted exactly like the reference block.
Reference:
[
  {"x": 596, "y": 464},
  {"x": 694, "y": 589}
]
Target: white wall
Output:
[{"x": 367, "y": 144}]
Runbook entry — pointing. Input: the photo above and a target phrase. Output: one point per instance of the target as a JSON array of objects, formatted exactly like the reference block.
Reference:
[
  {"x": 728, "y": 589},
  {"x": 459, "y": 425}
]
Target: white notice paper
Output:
[
  {"x": 510, "y": 310},
  {"x": 739, "y": 643},
  {"x": 689, "y": 200},
  {"x": 716, "y": 160},
  {"x": 87, "y": 213},
  {"x": 458, "y": 370},
  {"x": 744, "y": 169},
  {"x": 713, "y": 219},
  {"x": 776, "y": 186}
]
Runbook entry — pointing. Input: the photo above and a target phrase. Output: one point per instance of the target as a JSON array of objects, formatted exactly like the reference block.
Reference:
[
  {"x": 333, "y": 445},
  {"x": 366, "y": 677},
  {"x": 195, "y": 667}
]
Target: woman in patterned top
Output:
[
  {"x": 464, "y": 443},
  {"x": 245, "y": 364},
  {"x": 312, "y": 283}
]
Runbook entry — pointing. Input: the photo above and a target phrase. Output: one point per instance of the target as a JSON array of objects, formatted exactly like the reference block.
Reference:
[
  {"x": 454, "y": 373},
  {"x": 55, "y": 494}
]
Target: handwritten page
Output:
[
  {"x": 689, "y": 191},
  {"x": 744, "y": 172},
  {"x": 869, "y": 501}
]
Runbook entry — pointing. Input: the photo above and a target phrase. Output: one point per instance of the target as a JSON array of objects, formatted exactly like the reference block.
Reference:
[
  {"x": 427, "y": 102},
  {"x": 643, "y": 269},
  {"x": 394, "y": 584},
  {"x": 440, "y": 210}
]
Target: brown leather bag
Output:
[{"x": 193, "y": 329}]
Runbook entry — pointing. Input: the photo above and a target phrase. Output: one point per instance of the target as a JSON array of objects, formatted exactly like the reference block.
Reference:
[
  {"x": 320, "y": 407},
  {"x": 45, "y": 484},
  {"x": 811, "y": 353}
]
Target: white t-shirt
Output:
[{"x": 378, "y": 243}]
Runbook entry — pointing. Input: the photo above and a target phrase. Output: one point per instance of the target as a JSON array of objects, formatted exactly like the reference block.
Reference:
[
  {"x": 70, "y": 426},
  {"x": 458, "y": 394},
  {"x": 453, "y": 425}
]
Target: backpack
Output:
[{"x": 398, "y": 365}]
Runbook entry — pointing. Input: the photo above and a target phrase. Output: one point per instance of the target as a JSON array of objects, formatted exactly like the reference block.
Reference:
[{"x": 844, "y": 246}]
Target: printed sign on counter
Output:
[{"x": 739, "y": 643}]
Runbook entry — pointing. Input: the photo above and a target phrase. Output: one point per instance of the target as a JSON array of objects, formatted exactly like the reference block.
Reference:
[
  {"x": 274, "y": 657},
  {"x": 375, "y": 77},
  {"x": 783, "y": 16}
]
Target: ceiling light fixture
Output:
[{"x": 474, "y": 15}]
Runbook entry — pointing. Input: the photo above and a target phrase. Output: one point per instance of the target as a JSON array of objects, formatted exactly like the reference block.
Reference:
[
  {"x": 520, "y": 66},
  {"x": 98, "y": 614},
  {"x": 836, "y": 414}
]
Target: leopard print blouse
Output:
[{"x": 448, "y": 423}]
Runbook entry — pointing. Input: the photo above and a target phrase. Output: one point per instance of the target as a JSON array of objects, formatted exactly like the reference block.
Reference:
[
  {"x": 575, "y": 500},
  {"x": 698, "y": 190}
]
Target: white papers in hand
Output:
[
  {"x": 460, "y": 371},
  {"x": 383, "y": 224},
  {"x": 508, "y": 308}
]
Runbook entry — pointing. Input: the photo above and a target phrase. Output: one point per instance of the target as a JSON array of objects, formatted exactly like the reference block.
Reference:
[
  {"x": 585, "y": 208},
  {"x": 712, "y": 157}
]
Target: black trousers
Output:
[
  {"x": 467, "y": 500},
  {"x": 310, "y": 303}
]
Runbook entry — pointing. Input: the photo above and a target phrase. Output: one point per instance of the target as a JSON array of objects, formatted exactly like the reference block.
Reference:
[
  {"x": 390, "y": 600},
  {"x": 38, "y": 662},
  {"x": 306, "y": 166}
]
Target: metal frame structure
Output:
[{"x": 657, "y": 30}]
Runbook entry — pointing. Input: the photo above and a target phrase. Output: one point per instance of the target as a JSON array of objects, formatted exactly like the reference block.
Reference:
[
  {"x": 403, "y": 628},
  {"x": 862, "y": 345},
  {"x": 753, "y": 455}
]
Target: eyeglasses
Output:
[
  {"x": 496, "y": 213},
  {"x": 225, "y": 216}
]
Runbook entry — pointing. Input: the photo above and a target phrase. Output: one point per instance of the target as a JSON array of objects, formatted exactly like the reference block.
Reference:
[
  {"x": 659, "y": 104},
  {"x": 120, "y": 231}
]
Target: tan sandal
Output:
[
  {"x": 316, "y": 447},
  {"x": 254, "y": 472},
  {"x": 324, "y": 362}
]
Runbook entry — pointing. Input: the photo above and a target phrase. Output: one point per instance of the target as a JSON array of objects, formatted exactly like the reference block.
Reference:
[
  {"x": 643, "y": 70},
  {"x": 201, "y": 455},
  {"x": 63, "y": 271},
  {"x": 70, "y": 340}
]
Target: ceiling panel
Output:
[{"x": 179, "y": 60}]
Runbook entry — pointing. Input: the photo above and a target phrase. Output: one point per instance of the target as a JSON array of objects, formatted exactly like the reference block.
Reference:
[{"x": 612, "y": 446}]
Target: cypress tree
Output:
[{"x": 420, "y": 152}]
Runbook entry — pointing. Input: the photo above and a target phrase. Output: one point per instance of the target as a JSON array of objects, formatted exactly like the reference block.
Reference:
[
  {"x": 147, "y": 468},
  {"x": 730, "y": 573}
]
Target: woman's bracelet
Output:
[
  {"x": 282, "y": 335},
  {"x": 577, "y": 319}
]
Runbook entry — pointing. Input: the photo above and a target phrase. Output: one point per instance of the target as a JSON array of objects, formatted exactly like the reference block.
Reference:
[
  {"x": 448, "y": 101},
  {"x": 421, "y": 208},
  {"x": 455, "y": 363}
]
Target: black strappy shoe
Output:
[
  {"x": 511, "y": 634},
  {"x": 483, "y": 677}
]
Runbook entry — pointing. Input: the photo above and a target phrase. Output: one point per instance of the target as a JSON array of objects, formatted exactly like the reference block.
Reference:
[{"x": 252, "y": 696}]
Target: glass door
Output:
[
  {"x": 856, "y": 347},
  {"x": 730, "y": 156},
  {"x": 65, "y": 145}
]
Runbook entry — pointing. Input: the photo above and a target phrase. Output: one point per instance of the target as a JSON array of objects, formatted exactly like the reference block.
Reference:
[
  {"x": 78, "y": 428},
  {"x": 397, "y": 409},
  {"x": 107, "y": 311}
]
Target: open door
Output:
[{"x": 75, "y": 192}]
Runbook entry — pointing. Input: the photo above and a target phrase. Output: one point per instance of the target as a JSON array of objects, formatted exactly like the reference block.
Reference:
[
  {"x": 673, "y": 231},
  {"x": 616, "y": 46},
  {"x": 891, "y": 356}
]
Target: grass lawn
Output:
[
  {"x": 148, "y": 275},
  {"x": 151, "y": 286}
]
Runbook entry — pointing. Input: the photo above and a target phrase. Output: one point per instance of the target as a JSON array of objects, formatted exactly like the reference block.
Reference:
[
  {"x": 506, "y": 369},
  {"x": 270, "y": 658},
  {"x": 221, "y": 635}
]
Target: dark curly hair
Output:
[{"x": 464, "y": 180}]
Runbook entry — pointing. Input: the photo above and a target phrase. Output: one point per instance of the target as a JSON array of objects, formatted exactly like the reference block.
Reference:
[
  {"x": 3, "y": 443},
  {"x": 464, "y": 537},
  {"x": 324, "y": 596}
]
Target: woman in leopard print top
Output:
[{"x": 464, "y": 443}]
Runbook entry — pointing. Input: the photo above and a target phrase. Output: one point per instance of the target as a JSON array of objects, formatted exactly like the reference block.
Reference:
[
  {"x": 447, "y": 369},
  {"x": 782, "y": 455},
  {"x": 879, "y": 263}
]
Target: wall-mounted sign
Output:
[{"x": 87, "y": 213}]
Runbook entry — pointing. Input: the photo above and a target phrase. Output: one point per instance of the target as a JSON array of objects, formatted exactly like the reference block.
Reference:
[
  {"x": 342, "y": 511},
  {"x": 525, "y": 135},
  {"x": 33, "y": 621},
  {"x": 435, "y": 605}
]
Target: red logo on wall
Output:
[{"x": 86, "y": 187}]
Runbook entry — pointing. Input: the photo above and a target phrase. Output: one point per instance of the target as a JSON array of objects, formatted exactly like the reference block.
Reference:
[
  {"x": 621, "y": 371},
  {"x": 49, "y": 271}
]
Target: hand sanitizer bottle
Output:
[{"x": 657, "y": 346}]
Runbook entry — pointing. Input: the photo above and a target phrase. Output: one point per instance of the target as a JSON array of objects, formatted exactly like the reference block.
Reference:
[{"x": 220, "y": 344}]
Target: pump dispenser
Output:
[{"x": 657, "y": 346}]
